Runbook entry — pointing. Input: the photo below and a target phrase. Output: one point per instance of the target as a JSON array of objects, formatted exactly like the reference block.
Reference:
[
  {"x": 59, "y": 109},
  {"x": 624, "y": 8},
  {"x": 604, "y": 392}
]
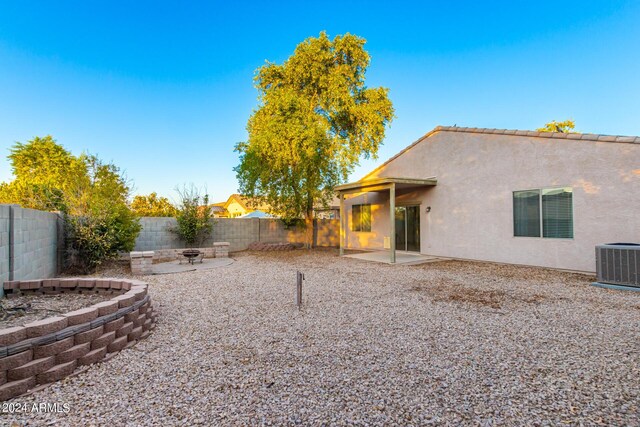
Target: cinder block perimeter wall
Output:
[
  {"x": 5, "y": 215},
  {"x": 29, "y": 243},
  {"x": 239, "y": 232}
]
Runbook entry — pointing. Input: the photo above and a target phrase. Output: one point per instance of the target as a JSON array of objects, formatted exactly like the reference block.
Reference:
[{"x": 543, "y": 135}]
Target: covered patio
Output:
[{"x": 379, "y": 185}]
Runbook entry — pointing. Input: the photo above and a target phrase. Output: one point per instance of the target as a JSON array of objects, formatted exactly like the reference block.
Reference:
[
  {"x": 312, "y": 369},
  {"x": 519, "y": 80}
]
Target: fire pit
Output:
[{"x": 192, "y": 255}]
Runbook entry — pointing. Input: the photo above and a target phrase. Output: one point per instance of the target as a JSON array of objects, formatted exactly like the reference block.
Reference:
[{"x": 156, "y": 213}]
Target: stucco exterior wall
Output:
[{"x": 472, "y": 207}]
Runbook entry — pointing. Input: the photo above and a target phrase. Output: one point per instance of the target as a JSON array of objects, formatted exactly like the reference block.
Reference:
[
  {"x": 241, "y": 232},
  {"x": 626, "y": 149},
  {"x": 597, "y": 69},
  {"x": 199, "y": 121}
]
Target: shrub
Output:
[
  {"x": 96, "y": 237},
  {"x": 91, "y": 195},
  {"x": 193, "y": 216}
]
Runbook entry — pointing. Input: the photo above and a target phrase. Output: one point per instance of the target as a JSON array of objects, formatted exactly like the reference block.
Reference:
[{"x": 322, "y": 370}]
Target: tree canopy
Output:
[
  {"x": 44, "y": 172},
  {"x": 566, "y": 126},
  {"x": 152, "y": 205},
  {"x": 315, "y": 120},
  {"x": 92, "y": 195}
]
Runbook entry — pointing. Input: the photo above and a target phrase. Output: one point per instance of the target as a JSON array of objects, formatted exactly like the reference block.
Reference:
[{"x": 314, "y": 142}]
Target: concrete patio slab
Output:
[
  {"x": 405, "y": 258},
  {"x": 176, "y": 267}
]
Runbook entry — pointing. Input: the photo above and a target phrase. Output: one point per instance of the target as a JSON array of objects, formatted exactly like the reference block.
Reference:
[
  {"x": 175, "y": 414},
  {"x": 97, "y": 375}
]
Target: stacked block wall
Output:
[
  {"x": 5, "y": 214},
  {"x": 30, "y": 243},
  {"x": 238, "y": 232},
  {"x": 217, "y": 250},
  {"x": 48, "y": 350},
  {"x": 141, "y": 262}
]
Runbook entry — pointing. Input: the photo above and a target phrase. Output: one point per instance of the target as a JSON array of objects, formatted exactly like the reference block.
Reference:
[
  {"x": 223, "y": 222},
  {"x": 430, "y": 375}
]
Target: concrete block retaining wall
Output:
[
  {"x": 239, "y": 232},
  {"x": 141, "y": 262},
  {"x": 29, "y": 243},
  {"x": 216, "y": 250},
  {"x": 48, "y": 350},
  {"x": 5, "y": 221}
]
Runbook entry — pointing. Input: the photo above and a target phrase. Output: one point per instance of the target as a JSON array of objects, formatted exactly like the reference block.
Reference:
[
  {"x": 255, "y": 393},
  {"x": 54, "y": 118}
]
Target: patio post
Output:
[
  {"x": 342, "y": 228},
  {"x": 392, "y": 222}
]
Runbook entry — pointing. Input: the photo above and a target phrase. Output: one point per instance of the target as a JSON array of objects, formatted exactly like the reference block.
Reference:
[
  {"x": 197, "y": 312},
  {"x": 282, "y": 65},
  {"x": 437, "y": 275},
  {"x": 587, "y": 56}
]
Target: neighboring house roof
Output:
[
  {"x": 334, "y": 203},
  {"x": 215, "y": 208},
  {"x": 238, "y": 199},
  {"x": 256, "y": 214},
  {"x": 515, "y": 132},
  {"x": 241, "y": 200}
]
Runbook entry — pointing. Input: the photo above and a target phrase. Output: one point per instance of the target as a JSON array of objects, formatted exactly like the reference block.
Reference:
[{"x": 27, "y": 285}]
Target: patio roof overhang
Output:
[
  {"x": 378, "y": 185},
  {"x": 383, "y": 184}
]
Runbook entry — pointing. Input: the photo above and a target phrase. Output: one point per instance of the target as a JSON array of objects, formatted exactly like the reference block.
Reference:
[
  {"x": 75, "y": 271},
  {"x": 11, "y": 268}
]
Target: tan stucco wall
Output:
[{"x": 471, "y": 207}]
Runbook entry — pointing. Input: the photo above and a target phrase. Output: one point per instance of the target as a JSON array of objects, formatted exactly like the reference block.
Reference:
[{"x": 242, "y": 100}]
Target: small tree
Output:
[
  {"x": 98, "y": 236},
  {"x": 99, "y": 223},
  {"x": 91, "y": 195},
  {"x": 315, "y": 120},
  {"x": 566, "y": 126},
  {"x": 152, "y": 205},
  {"x": 193, "y": 216}
]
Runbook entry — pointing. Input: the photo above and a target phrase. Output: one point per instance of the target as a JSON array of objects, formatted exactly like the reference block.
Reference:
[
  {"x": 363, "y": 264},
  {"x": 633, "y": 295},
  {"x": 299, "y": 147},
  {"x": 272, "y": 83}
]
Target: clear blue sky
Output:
[{"x": 164, "y": 90}]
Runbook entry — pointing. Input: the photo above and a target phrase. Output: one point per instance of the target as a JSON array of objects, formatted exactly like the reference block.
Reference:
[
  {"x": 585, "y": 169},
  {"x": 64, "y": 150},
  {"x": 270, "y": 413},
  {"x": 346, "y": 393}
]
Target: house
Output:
[
  {"x": 330, "y": 211},
  {"x": 508, "y": 196},
  {"x": 218, "y": 210},
  {"x": 235, "y": 206}
]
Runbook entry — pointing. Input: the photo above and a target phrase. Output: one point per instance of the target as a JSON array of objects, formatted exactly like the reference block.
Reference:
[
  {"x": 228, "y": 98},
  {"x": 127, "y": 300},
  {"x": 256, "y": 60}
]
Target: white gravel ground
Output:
[{"x": 445, "y": 343}]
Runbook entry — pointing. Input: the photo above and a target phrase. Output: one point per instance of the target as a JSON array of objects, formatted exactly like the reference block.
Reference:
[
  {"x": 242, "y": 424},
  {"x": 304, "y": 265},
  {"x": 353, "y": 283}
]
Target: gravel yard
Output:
[{"x": 444, "y": 343}]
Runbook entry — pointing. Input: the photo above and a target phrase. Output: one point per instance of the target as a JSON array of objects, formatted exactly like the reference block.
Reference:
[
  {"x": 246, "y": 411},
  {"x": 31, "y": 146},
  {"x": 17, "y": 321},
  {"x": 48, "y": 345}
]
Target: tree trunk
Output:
[{"x": 308, "y": 220}]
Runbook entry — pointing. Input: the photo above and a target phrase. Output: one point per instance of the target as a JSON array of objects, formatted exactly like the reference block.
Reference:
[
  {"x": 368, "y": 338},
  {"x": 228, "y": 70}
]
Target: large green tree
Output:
[
  {"x": 44, "y": 171},
  {"x": 152, "y": 205},
  {"x": 92, "y": 195},
  {"x": 315, "y": 120}
]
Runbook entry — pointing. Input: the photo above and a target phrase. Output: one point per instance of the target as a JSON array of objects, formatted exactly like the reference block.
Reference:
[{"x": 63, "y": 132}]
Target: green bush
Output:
[
  {"x": 92, "y": 196},
  {"x": 99, "y": 236},
  {"x": 193, "y": 217}
]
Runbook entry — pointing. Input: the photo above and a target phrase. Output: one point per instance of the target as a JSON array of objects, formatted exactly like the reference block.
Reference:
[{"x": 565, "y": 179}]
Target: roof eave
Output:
[{"x": 368, "y": 184}]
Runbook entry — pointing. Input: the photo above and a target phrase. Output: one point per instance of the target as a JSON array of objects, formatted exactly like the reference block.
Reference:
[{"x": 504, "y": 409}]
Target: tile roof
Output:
[
  {"x": 560, "y": 135},
  {"x": 515, "y": 132}
]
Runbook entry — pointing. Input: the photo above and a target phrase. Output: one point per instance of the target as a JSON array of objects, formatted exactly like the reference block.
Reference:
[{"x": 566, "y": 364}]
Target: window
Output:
[
  {"x": 361, "y": 217},
  {"x": 557, "y": 213},
  {"x": 526, "y": 213},
  {"x": 547, "y": 212}
]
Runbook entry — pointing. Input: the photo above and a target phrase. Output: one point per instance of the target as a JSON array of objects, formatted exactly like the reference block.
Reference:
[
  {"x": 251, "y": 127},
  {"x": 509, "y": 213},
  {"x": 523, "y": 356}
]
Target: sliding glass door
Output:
[{"x": 408, "y": 228}]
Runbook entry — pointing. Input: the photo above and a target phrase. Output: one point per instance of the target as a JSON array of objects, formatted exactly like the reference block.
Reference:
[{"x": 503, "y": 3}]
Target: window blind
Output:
[
  {"x": 557, "y": 213},
  {"x": 526, "y": 213}
]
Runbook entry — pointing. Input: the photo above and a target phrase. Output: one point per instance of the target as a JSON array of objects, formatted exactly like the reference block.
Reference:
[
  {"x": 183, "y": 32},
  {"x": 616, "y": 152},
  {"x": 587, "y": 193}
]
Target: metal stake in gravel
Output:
[{"x": 299, "y": 279}]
